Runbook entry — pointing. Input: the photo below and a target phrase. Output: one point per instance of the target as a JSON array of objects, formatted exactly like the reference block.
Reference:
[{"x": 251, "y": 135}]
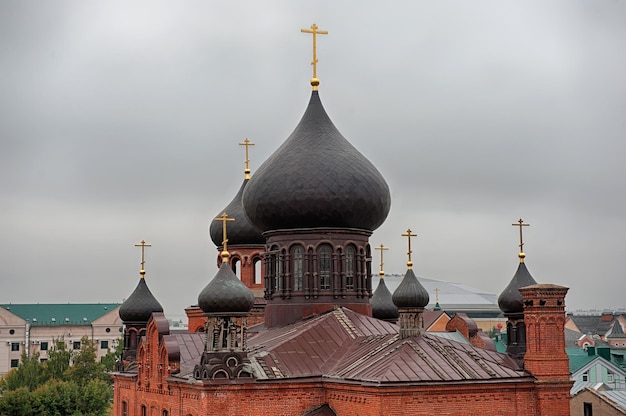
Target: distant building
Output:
[
  {"x": 33, "y": 328},
  {"x": 598, "y": 401},
  {"x": 588, "y": 369},
  {"x": 456, "y": 297}
]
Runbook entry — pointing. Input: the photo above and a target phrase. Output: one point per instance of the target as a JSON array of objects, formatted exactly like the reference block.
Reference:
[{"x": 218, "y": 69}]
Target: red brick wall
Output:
[
  {"x": 293, "y": 399},
  {"x": 545, "y": 358}
]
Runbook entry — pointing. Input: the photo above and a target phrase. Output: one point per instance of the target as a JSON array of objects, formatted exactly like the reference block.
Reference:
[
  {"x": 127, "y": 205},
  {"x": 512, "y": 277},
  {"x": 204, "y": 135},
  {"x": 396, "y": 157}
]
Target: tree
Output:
[
  {"x": 17, "y": 402},
  {"x": 57, "y": 388},
  {"x": 84, "y": 366},
  {"x": 58, "y": 360},
  {"x": 110, "y": 358},
  {"x": 29, "y": 374},
  {"x": 59, "y": 398}
]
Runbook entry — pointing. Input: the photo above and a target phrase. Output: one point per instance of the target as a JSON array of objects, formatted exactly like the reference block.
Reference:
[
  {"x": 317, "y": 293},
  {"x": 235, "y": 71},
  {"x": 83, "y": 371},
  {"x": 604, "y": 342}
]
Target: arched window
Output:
[
  {"x": 236, "y": 266},
  {"x": 324, "y": 267},
  {"x": 258, "y": 277},
  {"x": 272, "y": 270},
  {"x": 297, "y": 256},
  {"x": 349, "y": 267},
  {"x": 144, "y": 410},
  {"x": 124, "y": 409}
]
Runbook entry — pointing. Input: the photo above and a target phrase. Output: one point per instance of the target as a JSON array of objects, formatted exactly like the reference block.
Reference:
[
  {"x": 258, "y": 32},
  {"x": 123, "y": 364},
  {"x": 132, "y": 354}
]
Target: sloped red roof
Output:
[
  {"x": 191, "y": 347},
  {"x": 346, "y": 345}
]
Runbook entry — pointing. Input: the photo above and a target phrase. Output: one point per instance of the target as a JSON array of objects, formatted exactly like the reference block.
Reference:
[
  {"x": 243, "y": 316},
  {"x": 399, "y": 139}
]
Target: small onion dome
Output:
[
  {"x": 510, "y": 300},
  {"x": 225, "y": 293},
  {"x": 240, "y": 231},
  {"x": 410, "y": 293},
  {"x": 140, "y": 304},
  {"x": 316, "y": 179},
  {"x": 382, "y": 304}
]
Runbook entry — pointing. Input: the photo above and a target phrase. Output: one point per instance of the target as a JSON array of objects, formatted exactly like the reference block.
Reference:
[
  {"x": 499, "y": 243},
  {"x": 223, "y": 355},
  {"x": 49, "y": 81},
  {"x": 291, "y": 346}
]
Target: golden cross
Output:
[
  {"x": 247, "y": 143},
  {"x": 436, "y": 295},
  {"x": 224, "y": 218},
  {"x": 520, "y": 224},
  {"x": 314, "y": 81},
  {"x": 409, "y": 235},
  {"x": 143, "y": 246},
  {"x": 381, "y": 248}
]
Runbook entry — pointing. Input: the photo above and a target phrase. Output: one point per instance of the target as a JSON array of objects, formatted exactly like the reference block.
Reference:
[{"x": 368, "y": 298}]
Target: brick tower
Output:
[{"x": 546, "y": 359}]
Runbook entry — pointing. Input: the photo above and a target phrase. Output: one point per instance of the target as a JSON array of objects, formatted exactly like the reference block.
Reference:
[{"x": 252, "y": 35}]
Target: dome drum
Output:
[{"x": 330, "y": 264}]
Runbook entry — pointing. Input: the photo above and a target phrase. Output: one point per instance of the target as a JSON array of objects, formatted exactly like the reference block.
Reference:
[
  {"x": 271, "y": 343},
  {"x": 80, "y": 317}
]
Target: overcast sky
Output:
[{"x": 119, "y": 121}]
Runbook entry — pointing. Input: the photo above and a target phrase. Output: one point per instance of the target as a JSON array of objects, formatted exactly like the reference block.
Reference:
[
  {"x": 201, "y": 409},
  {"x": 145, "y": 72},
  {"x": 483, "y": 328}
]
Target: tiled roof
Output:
[
  {"x": 48, "y": 314},
  {"x": 591, "y": 324},
  {"x": 344, "y": 344},
  {"x": 616, "y": 330}
]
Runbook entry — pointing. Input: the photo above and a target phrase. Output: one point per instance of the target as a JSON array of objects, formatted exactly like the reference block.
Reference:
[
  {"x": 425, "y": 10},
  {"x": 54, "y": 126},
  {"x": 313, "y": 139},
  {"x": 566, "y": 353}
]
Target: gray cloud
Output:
[{"x": 120, "y": 122}]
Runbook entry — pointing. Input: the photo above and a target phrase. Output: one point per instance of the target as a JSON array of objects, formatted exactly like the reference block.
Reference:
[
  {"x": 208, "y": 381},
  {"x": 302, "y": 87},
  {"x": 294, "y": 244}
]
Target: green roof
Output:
[
  {"x": 576, "y": 362},
  {"x": 42, "y": 314}
]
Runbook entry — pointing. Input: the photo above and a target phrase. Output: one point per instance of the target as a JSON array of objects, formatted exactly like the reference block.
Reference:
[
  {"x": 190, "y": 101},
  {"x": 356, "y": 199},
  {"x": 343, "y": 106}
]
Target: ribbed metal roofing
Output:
[
  {"x": 48, "y": 314},
  {"x": 191, "y": 346},
  {"x": 616, "y": 396},
  {"x": 344, "y": 344}
]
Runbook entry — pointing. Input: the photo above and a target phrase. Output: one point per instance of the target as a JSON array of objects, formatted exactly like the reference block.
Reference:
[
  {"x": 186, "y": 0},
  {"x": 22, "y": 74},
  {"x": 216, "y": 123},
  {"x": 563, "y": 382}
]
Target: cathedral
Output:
[{"x": 291, "y": 325}]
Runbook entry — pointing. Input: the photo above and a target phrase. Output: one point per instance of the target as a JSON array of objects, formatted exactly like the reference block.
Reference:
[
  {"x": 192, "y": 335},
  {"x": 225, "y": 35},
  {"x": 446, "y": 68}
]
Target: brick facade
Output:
[{"x": 545, "y": 391}]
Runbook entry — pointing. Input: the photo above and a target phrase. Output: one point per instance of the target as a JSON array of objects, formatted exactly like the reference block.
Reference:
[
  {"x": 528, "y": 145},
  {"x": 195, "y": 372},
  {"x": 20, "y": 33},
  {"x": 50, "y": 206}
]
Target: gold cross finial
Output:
[
  {"x": 409, "y": 235},
  {"x": 247, "y": 143},
  {"x": 224, "y": 218},
  {"x": 436, "y": 295},
  {"x": 314, "y": 81},
  {"x": 143, "y": 246},
  {"x": 381, "y": 248},
  {"x": 520, "y": 224}
]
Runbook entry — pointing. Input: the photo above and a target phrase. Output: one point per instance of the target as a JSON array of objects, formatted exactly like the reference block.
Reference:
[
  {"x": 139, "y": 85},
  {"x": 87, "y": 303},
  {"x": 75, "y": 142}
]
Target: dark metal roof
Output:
[
  {"x": 191, "y": 346},
  {"x": 510, "y": 300},
  {"x": 410, "y": 293},
  {"x": 225, "y": 293},
  {"x": 346, "y": 345},
  {"x": 593, "y": 325},
  {"x": 382, "y": 304},
  {"x": 616, "y": 330},
  {"x": 316, "y": 178},
  {"x": 140, "y": 304},
  {"x": 240, "y": 231}
]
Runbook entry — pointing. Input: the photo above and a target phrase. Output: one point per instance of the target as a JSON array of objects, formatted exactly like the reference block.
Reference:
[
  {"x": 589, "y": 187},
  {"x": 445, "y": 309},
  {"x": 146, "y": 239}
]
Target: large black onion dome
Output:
[
  {"x": 410, "y": 293},
  {"x": 240, "y": 231},
  {"x": 316, "y": 178},
  {"x": 510, "y": 300},
  {"x": 139, "y": 305},
  {"x": 225, "y": 293},
  {"x": 382, "y": 303}
]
